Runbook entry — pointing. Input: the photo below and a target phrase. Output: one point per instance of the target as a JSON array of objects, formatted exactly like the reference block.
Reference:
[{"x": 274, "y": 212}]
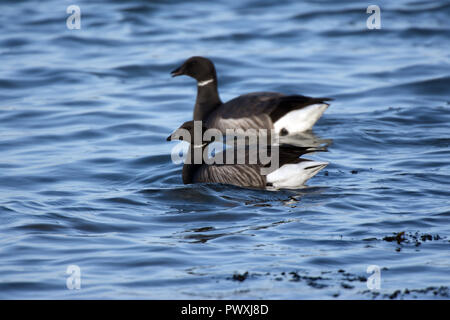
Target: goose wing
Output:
[
  {"x": 244, "y": 175},
  {"x": 257, "y": 110}
]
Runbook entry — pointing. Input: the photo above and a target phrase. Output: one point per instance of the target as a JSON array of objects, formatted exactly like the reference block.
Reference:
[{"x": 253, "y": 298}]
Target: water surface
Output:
[{"x": 86, "y": 176}]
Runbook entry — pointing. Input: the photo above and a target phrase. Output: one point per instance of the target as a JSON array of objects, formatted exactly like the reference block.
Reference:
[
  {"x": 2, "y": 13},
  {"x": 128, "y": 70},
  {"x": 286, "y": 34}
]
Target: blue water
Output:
[{"x": 86, "y": 176}]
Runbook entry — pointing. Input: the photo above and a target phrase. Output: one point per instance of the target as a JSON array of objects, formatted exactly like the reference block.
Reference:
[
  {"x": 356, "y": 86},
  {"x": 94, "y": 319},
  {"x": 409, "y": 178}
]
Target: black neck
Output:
[
  {"x": 189, "y": 167},
  {"x": 207, "y": 99}
]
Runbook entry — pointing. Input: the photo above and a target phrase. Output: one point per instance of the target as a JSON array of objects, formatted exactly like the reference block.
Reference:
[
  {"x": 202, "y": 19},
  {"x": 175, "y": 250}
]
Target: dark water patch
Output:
[
  {"x": 143, "y": 162},
  {"x": 136, "y": 70},
  {"x": 14, "y": 42},
  {"x": 103, "y": 161},
  {"x": 324, "y": 14},
  {"x": 423, "y": 6},
  {"x": 140, "y": 9},
  {"x": 122, "y": 200},
  {"x": 75, "y": 40},
  {"x": 42, "y": 227},
  {"x": 415, "y": 32},
  {"x": 416, "y": 239},
  {"x": 442, "y": 292}
]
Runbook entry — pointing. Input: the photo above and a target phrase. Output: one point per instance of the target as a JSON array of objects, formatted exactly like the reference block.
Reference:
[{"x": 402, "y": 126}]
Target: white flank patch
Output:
[
  {"x": 294, "y": 175},
  {"x": 300, "y": 120}
]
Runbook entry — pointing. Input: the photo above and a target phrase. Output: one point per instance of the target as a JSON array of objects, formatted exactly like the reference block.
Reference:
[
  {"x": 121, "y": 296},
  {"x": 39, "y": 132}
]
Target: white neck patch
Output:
[{"x": 204, "y": 83}]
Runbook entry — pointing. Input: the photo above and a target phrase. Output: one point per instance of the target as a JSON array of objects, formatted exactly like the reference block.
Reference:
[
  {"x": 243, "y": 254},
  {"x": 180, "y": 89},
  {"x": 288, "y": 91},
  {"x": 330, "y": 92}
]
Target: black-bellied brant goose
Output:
[
  {"x": 286, "y": 114},
  {"x": 292, "y": 171}
]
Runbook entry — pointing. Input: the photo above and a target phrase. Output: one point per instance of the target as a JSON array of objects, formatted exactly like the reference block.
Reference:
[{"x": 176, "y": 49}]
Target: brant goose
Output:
[
  {"x": 286, "y": 114},
  {"x": 291, "y": 172}
]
